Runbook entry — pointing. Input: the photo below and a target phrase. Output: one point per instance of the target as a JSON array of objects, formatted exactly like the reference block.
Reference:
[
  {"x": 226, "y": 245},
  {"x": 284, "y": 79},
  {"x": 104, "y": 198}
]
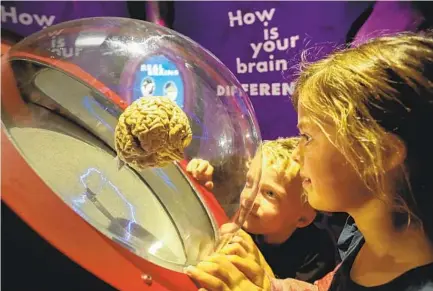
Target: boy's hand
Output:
[
  {"x": 229, "y": 273},
  {"x": 202, "y": 171},
  {"x": 242, "y": 245}
]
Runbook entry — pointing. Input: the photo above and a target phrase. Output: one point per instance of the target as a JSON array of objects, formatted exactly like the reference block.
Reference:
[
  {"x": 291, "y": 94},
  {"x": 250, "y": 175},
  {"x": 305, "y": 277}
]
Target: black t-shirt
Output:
[
  {"x": 350, "y": 242},
  {"x": 307, "y": 255}
]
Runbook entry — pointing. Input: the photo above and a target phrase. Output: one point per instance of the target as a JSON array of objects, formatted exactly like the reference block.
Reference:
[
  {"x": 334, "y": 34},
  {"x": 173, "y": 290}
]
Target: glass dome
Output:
[{"x": 76, "y": 78}]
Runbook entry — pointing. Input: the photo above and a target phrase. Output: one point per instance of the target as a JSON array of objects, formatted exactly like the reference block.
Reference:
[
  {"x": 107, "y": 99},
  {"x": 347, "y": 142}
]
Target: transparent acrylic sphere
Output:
[{"x": 76, "y": 78}]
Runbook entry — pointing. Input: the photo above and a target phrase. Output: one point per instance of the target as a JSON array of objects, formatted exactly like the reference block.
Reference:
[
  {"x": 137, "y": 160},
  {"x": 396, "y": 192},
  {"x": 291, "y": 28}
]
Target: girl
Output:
[{"x": 364, "y": 116}]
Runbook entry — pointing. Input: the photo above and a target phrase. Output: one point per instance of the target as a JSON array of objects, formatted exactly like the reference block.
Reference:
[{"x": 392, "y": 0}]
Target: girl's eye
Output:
[{"x": 305, "y": 137}]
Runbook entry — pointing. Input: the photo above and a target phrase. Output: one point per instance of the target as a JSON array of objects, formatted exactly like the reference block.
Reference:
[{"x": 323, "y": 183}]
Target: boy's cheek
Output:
[{"x": 252, "y": 226}]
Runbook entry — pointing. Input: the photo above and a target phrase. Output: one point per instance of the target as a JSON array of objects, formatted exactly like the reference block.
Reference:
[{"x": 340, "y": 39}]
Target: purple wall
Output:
[{"x": 261, "y": 41}]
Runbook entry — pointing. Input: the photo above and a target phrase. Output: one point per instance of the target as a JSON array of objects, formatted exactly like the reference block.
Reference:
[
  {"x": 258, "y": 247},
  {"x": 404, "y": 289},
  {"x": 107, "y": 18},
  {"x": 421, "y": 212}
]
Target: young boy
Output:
[{"x": 281, "y": 222}]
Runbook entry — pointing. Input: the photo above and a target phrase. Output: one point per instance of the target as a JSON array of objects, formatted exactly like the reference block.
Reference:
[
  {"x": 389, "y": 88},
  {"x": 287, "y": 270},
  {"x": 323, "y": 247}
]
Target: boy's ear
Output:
[{"x": 307, "y": 217}]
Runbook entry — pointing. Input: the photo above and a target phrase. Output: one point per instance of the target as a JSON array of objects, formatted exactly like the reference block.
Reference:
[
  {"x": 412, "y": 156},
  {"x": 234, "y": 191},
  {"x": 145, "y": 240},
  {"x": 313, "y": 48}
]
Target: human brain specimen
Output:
[{"x": 152, "y": 132}]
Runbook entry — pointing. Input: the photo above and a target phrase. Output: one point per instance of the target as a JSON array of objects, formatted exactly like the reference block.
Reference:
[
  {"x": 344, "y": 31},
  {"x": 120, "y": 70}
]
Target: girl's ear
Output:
[{"x": 394, "y": 153}]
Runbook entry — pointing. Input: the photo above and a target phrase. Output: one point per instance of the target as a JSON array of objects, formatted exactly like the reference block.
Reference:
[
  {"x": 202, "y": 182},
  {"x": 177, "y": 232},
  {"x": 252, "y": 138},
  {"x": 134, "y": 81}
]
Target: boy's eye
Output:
[{"x": 270, "y": 194}]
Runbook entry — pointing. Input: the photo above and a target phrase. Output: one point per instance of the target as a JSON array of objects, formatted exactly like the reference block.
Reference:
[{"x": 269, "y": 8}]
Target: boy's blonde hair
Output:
[{"x": 278, "y": 153}]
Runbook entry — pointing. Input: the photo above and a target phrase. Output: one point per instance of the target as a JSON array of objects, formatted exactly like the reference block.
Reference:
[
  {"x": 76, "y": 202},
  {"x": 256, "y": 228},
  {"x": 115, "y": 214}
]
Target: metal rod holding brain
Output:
[{"x": 151, "y": 132}]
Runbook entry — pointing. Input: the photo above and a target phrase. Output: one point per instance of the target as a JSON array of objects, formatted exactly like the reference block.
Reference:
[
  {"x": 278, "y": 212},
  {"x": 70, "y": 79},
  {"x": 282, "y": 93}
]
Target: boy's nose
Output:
[
  {"x": 255, "y": 206},
  {"x": 248, "y": 202}
]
